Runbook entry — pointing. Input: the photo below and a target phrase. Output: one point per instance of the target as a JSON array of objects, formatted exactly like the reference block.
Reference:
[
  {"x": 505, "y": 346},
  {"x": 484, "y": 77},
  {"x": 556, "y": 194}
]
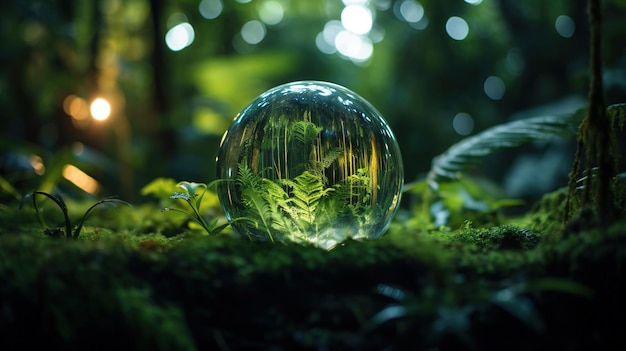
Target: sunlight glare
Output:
[
  {"x": 180, "y": 36},
  {"x": 357, "y": 19},
  {"x": 356, "y": 47},
  {"x": 81, "y": 179},
  {"x": 100, "y": 109}
]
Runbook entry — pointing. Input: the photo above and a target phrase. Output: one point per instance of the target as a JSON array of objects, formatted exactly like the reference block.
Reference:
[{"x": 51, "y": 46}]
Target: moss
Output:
[
  {"x": 74, "y": 294},
  {"x": 505, "y": 237},
  {"x": 411, "y": 289}
]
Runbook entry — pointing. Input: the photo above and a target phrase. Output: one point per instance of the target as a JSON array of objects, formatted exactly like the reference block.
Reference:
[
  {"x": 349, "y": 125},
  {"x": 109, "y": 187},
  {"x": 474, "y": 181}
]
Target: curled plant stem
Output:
[{"x": 59, "y": 202}]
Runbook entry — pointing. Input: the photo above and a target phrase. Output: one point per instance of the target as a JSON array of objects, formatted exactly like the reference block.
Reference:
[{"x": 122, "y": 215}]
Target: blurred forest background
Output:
[{"x": 98, "y": 98}]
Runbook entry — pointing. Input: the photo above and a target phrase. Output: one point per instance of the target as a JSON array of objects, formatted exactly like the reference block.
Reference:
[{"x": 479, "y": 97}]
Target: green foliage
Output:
[
  {"x": 408, "y": 290},
  {"x": 160, "y": 187},
  {"x": 299, "y": 207},
  {"x": 474, "y": 199},
  {"x": 448, "y": 199},
  {"x": 471, "y": 150},
  {"x": 307, "y": 191},
  {"x": 304, "y": 131},
  {"x": 192, "y": 195},
  {"x": 58, "y": 200}
]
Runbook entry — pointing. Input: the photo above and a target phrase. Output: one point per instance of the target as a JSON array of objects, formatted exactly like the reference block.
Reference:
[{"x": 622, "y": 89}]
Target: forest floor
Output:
[{"x": 137, "y": 279}]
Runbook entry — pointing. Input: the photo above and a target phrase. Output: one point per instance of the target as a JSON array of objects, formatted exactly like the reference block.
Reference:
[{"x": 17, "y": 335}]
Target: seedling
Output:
[
  {"x": 192, "y": 194},
  {"x": 57, "y": 199}
]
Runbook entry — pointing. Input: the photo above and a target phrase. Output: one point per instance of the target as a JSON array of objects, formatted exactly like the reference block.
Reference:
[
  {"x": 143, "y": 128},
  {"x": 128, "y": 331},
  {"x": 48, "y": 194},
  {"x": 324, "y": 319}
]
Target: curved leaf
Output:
[{"x": 470, "y": 151}]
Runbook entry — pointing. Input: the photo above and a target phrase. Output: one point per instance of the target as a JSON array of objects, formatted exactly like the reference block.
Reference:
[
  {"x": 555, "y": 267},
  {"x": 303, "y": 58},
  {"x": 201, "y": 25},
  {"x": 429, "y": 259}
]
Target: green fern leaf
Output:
[
  {"x": 262, "y": 213},
  {"x": 305, "y": 131},
  {"x": 306, "y": 191},
  {"x": 470, "y": 151},
  {"x": 278, "y": 201},
  {"x": 252, "y": 190}
]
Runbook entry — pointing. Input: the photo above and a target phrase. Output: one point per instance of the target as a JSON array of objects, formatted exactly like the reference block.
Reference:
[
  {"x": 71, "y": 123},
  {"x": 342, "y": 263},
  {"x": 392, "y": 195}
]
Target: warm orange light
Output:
[
  {"x": 80, "y": 179},
  {"x": 100, "y": 109},
  {"x": 37, "y": 163},
  {"x": 76, "y": 107}
]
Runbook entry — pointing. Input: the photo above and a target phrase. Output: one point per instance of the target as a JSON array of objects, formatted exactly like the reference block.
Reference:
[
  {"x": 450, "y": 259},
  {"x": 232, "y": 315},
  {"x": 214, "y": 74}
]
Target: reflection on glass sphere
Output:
[{"x": 309, "y": 162}]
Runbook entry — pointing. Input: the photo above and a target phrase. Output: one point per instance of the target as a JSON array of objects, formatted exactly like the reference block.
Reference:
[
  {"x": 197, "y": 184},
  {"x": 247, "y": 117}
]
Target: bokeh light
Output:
[
  {"x": 463, "y": 123},
  {"x": 474, "y": 2},
  {"x": 211, "y": 9},
  {"x": 76, "y": 107},
  {"x": 354, "y": 46},
  {"x": 353, "y": 37},
  {"x": 494, "y": 87},
  {"x": 325, "y": 40},
  {"x": 180, "y": 36},
  {"x": 457, "y": 28},
  {"x": 253, "y": 32},
  {"x": 514, "y": 62},
  {"x": 410, "y": 11},
  {"x": 100, "y": 109},
  {"x": 37, "y": 163},
  {"x": 357, "y": 19},
  {"x": 271, "y": 12},
  {"x": 565, "y": 26},
  {"x": 81, "y": 179}
]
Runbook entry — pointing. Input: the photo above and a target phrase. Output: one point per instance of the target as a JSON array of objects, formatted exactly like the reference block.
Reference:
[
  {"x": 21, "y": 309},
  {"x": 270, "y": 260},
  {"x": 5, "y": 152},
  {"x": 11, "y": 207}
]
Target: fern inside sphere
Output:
[{"x": 309, "y": 162}]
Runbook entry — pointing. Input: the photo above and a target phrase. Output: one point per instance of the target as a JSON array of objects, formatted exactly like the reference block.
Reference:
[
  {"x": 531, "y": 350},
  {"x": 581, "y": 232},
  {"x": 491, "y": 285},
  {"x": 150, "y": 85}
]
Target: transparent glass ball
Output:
[{"x": 309, "y": 162}]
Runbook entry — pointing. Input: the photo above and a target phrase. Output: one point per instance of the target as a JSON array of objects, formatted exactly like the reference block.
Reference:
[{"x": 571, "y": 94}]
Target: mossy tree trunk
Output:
[{"x": 595, "y": 139}]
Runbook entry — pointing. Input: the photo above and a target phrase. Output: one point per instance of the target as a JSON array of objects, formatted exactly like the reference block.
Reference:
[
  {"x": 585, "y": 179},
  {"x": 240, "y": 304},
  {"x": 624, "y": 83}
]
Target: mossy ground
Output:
[{"x": 137, "y": 279}]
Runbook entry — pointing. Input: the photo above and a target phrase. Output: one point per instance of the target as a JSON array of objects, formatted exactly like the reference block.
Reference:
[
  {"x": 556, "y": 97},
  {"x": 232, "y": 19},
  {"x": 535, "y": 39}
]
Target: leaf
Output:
[
  {"x": 251, "y": 189},
  {"x": 259, "y": 206},
  {"x": 305, "y": 132},
  {"x": 307, "y": 190},
  {"x": 470, "y": 151},
  {"x": 160, "y": 188},
  {"x": 58, "y": 200},
  {"x": 105, "y": 201}
]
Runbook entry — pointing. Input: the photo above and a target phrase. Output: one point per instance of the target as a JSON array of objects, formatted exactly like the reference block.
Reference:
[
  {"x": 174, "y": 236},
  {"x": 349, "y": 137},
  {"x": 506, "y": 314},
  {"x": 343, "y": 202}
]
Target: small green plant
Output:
[
  {"x": 192, "y": 194},
  {"x": 444, "y": 194},
  {"x": 58, "y": 200},
  {"x": 301, "y": 208}
]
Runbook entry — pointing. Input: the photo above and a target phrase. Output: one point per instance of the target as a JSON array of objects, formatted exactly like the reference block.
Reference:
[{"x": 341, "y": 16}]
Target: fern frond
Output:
[
  {"x": 262, "y": 212},
  {"x": 330, "y": 157},
  {"x": 246, "y": 178},
  {"x": 278, "y": 201},
  {"x": 306, "y": 191},
  {"x": 305, "y": 131},
  {"x": 252, "y": 188},
  {"x": 470, "y": 151}
]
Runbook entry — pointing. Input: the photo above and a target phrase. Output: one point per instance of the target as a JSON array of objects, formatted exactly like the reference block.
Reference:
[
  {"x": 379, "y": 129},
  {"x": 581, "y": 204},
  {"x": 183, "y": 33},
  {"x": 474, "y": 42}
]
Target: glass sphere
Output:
[{"x": 309, "y": 162}]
